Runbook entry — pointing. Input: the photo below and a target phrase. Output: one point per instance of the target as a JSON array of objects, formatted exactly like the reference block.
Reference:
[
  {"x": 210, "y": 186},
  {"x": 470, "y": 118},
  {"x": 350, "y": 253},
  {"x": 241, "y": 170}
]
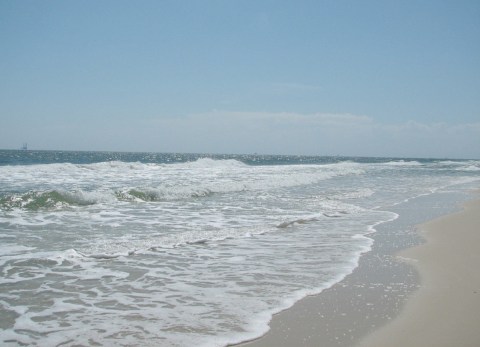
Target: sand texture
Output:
[{"x": 445, "y": 311}]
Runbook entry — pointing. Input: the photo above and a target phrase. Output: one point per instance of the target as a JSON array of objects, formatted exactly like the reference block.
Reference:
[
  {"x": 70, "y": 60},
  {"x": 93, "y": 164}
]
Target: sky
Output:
[{"x": 355, "y": 78}]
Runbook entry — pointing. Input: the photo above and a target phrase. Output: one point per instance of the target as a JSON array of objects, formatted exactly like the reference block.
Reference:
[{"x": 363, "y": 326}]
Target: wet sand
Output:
[
  {"x": 390, "y": 300},
  {"x": 445, "y": 311}
]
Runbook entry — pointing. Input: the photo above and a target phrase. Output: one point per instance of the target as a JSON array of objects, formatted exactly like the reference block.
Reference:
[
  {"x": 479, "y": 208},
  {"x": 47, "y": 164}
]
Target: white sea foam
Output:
[
  {"x": 404, "y": 163},
  {"x": 470, "y": 168},
  {"x": 14, "y": 249},
  {"x": 197, "y": 253},
  {"x": 207, "y": 163}
]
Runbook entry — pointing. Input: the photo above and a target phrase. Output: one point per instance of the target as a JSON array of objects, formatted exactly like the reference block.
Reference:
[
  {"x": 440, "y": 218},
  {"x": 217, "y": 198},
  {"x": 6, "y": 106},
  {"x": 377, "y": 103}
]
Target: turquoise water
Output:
[{"x": 157, "y": 249}]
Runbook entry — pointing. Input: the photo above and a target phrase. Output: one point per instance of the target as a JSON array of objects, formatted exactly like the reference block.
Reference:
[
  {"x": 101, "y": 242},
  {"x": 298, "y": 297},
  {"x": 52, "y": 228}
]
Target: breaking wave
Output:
[
  {"x": 54, "y": 199},
  {"x": 57, "y": 186}
]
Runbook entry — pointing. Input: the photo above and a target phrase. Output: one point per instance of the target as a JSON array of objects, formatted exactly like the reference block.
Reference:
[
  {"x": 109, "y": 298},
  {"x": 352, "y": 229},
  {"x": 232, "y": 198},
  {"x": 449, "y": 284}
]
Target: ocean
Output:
[{"x": 152, "y": 249}]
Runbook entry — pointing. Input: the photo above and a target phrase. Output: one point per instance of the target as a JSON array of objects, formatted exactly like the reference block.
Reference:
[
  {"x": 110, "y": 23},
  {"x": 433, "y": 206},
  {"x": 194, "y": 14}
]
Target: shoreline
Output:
[
  {"x": 352, "y": 311},
  {"x": 446, "y": 309}
]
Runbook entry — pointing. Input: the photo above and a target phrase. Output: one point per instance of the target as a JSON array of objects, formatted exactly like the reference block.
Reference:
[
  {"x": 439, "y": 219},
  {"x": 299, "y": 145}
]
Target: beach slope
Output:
[{"x": 445, "y": 311}]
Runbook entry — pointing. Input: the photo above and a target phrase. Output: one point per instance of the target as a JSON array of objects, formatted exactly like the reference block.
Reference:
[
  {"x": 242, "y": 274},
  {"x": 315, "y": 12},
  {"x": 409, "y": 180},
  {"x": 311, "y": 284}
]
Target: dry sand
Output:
[{"x": 445, "y": 311}]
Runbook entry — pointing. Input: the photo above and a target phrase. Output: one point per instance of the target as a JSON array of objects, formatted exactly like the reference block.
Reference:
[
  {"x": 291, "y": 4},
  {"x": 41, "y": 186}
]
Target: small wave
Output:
[
  {"x": 404, "y": 163},
  {"x": 54, "y": 199},
  {"x": 201, "y": 163},
  {"x": 108, "y": 165},
  {"x": 161, "y": 194},
  {"x": 451, "y": 162},
  {"x": 470, "y": 168},
  {"x": 296, "y": 221},
  {"x": 71, "y": 255},
  {"x": 332, "y": 215},
  {"x": 137, "y": 195},
  {"x": 198, "y": 242},
  {"x": 207, "y": 163},
  {"x": 107, "y": 255}
]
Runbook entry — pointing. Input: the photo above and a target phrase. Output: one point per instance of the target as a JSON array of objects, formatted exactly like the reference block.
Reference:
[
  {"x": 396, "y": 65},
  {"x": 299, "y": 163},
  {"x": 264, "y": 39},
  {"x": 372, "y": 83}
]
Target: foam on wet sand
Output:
[{"x": 428, "y": 294}]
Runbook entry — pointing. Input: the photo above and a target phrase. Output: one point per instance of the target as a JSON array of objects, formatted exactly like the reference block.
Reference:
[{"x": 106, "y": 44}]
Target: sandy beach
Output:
[
  {"x": 409, "y": 294},
  {"x": 445, "y": 311}
]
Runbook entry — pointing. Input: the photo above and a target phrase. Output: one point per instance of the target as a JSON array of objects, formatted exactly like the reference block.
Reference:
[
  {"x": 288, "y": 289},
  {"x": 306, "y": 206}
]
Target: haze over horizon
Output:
[{"x": 376, "y": 78}]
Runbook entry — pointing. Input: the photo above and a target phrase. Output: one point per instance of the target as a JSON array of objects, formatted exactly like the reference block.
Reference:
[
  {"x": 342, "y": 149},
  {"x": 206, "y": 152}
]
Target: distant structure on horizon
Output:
[{"x": 25, "y": 146}]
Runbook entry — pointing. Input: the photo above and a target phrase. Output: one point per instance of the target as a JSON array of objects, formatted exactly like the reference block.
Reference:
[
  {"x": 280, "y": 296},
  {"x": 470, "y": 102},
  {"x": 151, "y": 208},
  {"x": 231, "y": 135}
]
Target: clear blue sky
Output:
[{"x": 373, "y": 78}]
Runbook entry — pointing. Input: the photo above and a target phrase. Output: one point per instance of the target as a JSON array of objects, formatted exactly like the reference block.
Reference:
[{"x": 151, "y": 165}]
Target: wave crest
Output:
[
  {"x": 53, "y": 199},
  {"x": 207, "y": 163},
  {"x": 161, "y": 194}
]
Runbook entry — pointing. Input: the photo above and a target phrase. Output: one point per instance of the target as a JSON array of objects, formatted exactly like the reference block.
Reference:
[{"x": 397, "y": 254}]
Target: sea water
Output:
[{"x": 145, "y": 249}]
